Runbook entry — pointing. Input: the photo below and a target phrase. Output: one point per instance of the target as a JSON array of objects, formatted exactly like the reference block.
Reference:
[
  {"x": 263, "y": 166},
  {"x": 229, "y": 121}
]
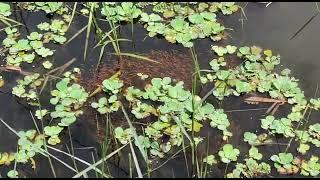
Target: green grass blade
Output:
[{"x": 88, "y": 32}]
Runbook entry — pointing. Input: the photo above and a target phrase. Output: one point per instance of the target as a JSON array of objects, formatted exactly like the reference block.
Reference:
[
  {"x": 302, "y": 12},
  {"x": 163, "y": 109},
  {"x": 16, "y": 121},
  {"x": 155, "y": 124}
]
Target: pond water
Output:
[{"x": 268, "y": 27}]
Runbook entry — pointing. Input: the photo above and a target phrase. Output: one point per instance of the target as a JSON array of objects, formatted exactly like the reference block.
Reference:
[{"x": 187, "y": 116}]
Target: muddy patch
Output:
[{"x": 171, "y": 64}]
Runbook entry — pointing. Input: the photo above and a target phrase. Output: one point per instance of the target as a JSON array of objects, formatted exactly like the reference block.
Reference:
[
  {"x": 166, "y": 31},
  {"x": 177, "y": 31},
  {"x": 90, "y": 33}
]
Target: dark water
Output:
[{"x": 269, "y": 28}]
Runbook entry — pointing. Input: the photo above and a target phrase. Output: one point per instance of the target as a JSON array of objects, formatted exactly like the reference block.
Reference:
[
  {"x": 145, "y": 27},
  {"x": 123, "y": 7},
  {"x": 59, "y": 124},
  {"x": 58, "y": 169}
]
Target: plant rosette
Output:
[{"x": 283, "y": 162}]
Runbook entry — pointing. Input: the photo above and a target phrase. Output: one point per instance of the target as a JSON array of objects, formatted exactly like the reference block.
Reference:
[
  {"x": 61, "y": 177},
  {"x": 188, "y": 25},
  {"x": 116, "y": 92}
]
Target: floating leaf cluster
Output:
[
  {"x": 67, "y": 98},
  {"x": 251, "y": 168},
  {"x": 27, "y": 88},
  {"x": 110, "y": 102}
]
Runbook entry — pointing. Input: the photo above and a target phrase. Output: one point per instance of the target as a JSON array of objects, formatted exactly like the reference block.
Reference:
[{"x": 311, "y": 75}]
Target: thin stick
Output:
[
  {"x": 305, "y": 25},
  {"x": 99, "y": 162},
  {"x": 135, "y": 161},
  {"x": 73, "y": 12},
  {"x": 143, "y": 152},
  {"x": 78, "y": 159},
  {"x": 76, "y": 34}
]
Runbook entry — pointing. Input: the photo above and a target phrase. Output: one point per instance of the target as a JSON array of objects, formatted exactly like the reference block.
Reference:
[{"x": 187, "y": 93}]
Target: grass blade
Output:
[
  {"x": 135, "y": 161},
  {"x": 99, "y": 162},
  {"x": 75, "y": 35},
  {"x": 138, "y": 57},
  {"x": 305, "y": 25},
  {"x": 73, "y": 12},
  {"x": 143, "y": 152},
  {"x": 88, "y": 31}
]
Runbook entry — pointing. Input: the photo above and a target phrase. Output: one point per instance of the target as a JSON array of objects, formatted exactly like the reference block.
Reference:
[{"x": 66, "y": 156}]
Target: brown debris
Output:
[{"x": 172, "y": 64}]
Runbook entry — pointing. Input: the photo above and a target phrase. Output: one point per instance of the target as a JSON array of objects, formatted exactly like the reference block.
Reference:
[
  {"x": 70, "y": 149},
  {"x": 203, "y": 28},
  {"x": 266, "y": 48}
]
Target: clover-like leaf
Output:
[
  {"x": 178, "y": 24},
  {"x": 5, "y": 9},
  {"x": 52, "y": 130},
  {"x": 219, "y": 50},
  {"x": 44, "y": 52},
  {"x": 47, "y": 64},
  {"x": 12, "y": 173},
  {"x": 41, "y": 113},
  {"x": 228, "y": 153},
  {"x": 210, "y": 159},
  {"x": 303, "y": 148},
  {"x": 34, "y": 36},
  {"x": 250, "y": 137},
  {"x": 254, "y": 153}
]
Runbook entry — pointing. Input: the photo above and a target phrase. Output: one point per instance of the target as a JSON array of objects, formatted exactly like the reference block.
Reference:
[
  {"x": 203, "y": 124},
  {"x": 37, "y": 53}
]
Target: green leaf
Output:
[
  {"x": 34, "y": 36},
  {"x": 231, "y": 49},
  {"x": 178, "y": 24},
  {"x": 250, "y": 137},
  {"x": 11, "y": 173},
  {"x": 210, "y": 159},
  {"x": 219, "y": 50},
  {"x": 266, "y": 122},
  {"x": 47, "y": 64},
  {"x": 303, "y": 148},
  {"x": 195, "y": 18},
  {"x": 62, "y": 85},
  {"x": 244, "y": 50},
  {"x": 40, "y": 114},
  {"x": 254, "y": 153},
  {"x": 36, "y": 44},
  {"x": 44, "y": 52},
  {"x": 5, "y": 9},
  {"x": 52, "y": 130}
]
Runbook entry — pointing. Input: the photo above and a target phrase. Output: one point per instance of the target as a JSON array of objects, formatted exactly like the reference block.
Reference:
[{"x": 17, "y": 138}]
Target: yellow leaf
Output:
[
  {"x": 196, "y": 126},
  {"x": 53, "y": 140},
  {"x": 6, "y": 159},
  {"x": 268, "y": 52},
  {"x": 33, "y": 163},
  {"x": 1, "y": 82},
  {"x": 256, "y": 50}
]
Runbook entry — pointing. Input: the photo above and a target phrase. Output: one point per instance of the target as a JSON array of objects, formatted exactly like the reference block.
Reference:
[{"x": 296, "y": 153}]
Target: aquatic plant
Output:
[
  {"x": 210, "y": 159},
  {"x": 6, "y": 158},
  {"x": 5, "y": 9},
  {"x": 254, "y": 153},
  {"x": 303, "y": 148},
  {"x": 253, "y": 74},
  {"x": 282, "y": 126},
  {"x": 29, "y": 145},
  {"x": 53, "y": 132},
  {"x": 47, "y": 64},
  {"x": 183, "y": 27},
  {"x": 110, "y": 103},
  {"x": 126, "y": 11},
  {"x": 250, "y": 169},
  {"x": 12, "y": 174},
  {"x": 67, "y": 100},
  {"x": 315, "y": 103},
  {"x": 177, "y": 111},
  {"x": 311, "y": 167},
  {"x": 228, "y": 153},
  {"x": 27, "y": 88},
  {"x": 41, "y": 113},
  {"x": 255, "y": 140},
  {"x": 48, "y": 7},
  {"x": 284, "y": 163},
  {"x": 177, "y": 106}
]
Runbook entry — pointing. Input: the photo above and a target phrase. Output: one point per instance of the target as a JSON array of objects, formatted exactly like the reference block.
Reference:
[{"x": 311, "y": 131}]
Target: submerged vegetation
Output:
[{"x": 164, "y": 114}]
